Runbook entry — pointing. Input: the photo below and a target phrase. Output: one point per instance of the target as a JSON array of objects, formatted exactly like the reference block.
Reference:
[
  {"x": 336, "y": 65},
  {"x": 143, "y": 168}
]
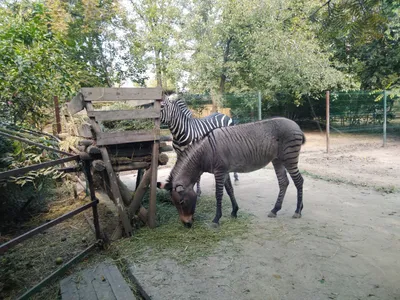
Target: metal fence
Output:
[
  {"x": 364, "y": 112},
  {"x": 242, "y": 108},
  {"x": 93, "y": 204}
]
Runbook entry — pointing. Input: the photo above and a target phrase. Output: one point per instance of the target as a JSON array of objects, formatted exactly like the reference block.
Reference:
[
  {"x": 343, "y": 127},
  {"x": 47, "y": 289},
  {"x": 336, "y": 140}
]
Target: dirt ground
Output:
[{"x": 346, "y": 245}]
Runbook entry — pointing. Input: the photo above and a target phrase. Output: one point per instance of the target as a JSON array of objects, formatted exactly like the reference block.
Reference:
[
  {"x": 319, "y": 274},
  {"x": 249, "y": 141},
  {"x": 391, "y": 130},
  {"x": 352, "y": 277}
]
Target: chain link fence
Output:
[
  {"x": 364, "y": 112},
  {"x": 350, "y": 111}
]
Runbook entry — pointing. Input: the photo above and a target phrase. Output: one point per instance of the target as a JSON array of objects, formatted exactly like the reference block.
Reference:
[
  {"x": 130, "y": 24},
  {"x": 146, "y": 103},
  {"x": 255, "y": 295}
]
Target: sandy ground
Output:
[{"x": 346, "y": 245}]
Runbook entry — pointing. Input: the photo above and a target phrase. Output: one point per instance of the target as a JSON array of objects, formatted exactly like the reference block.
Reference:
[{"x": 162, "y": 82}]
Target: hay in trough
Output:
[{"x": 171, "y": 239}]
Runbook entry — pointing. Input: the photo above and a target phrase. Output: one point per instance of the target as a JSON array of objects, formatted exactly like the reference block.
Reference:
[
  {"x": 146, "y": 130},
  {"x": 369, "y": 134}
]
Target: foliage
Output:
[
  {"x": 99, "y": 35},
  {"x": 364, "y": 36},
  {"x": 156, "y": 41},
  {"x": 33, "y": 65},
  {"x": 256, "y": 45},
  {"x": 17, "y": 192}
]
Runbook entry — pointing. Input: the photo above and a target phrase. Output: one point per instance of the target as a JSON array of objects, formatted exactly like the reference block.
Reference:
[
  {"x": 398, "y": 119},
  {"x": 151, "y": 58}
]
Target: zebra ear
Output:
[
  {"x": 179, "y": 188},
  {"x": 166, "y": 186}
]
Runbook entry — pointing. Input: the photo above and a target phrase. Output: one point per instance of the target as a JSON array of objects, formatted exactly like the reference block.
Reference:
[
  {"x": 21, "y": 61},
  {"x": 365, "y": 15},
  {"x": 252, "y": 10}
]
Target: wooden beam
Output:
[
  {"x": 154, "y": 168},
  {"x": 139, "y": 193},
  {"x": 121, "y": 94},
  {"x": 131, "y": 166},
  {"x": 116, "y": 193},
  {"x": 123, "y": 137},
  {"x": 117, "y": 115},
  {"x": 76, "y": 104}
]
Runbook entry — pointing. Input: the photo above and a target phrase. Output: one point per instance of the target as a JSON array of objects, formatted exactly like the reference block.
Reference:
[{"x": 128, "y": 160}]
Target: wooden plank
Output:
[
  {"x": 76, "y": 104},
  {"x": 139, "y": 193},
  {"x": 117, "y": 282},
  {"x": 68, "y": 289},
  {"x": 95, "y": 126},
  {"x": 153, "y": 181},
  {"x": 84, "y": 286},
  {"x": 116, "y": 193},
  {"x": 123, "y": 137},
  {"x": 101, "y": 284},
  {"x": 117, "y": 115},
  {"x": 121, "y": 94}
]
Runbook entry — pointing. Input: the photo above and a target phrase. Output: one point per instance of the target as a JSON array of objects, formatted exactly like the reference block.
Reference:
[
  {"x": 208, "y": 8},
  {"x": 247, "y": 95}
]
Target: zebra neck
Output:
[{"x": 188, "y": 167}]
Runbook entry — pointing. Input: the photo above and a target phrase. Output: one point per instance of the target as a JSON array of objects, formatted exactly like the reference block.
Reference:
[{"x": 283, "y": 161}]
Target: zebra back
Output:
[{"x": 186, "y": 129}]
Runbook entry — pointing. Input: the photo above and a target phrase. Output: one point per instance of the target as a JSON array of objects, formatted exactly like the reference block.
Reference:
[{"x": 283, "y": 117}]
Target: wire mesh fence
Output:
[
  {"x": 242, "y": 108},
  {"x": 350, "y": 111},
  {"x": 364, "y": 112}
]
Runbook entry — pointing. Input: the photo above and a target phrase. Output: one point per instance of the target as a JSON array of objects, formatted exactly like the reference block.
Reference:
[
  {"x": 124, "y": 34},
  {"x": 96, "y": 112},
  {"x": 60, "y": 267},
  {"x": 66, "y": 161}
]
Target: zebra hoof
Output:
[
  {"x": 234, "y": 215},
  {"x": 214, "y": 225},
  {"x": 271, "y": 215},
  {"x": 296, "y": 216}
]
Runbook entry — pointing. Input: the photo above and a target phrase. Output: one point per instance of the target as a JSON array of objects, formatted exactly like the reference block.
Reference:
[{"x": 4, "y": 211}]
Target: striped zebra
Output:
[
  {"x": 241, "y": 148},
  {"x": 186, "y": 129}
]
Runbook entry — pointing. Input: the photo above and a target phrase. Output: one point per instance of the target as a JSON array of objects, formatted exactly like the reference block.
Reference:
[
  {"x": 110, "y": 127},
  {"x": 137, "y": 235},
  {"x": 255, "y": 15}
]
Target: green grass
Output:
[{"x": 171, "y": 239}]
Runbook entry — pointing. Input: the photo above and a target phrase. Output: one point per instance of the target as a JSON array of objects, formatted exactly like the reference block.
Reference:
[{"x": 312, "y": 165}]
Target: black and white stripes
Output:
[
  {"x": 241, "y": 148},
  {"x": 185, "y": 129}
]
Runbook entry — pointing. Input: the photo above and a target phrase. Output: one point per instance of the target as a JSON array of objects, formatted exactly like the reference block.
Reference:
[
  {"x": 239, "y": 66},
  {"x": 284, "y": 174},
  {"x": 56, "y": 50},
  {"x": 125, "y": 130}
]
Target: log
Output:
[
  {"x": 85, "y": 131},
  {"x": 131, "y": 166},
  {"x": 73, "y": 149},
  {"x": 93, "y": 150},
  {"x": 126, "y": 194},
  {"x": 98, "y": 165},
  {"x": 163, "y": 159},
  {"x": 139, "y": 193},
  {"x": 166, "y": 138},
  {"x": 166, "y": 149},
  {"x": 143, "y": 214},
  {"x": 85, "y": 143},
  {"x": 63, "y": 136}
]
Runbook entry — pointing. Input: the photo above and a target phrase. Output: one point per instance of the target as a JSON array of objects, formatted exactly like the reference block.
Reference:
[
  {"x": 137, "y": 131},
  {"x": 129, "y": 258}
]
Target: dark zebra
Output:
[
  {"x": 241, "y": 148},
  {"x": 185, "y": 129}
]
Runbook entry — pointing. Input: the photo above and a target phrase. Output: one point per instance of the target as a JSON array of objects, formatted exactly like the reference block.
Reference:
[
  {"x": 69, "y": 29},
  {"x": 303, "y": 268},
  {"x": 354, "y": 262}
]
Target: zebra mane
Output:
[{"x": 185, "y": 159}]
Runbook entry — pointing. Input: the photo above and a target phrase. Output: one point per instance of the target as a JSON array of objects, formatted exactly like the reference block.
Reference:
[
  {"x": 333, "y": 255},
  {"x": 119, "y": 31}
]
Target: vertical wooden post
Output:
[
  {"x": 154, "y": 168},
  {"x": 259, "y": 106},
  {"x": 139, "y": 176},
  {"x": 384, "y": 117},
  {"x": 57, "y": 112},
  {"x": 89, "y": 178},
  {"x": 327, "y": 121}
]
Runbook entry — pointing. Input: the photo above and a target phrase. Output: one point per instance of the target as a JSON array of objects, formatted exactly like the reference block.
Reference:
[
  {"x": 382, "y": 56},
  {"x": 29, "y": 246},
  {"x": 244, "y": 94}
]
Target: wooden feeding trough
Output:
[{"x": 112, "y": 152}]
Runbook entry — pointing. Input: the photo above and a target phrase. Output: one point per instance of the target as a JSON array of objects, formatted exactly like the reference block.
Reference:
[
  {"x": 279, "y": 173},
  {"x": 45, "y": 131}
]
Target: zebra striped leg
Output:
[
  {"x": 236, "y": 176},
  {"x": 229, "y": 190},
  {"x": 219, "y": 192},
  {"x": 283, "y": 184},
  {"x": 298, "y": 182},
  {"x": 198, "y": 190}
]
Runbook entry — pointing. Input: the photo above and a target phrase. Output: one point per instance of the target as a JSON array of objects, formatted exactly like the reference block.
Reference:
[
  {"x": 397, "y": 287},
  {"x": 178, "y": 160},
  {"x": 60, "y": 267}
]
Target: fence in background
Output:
[{"x": 363, "y": 112}]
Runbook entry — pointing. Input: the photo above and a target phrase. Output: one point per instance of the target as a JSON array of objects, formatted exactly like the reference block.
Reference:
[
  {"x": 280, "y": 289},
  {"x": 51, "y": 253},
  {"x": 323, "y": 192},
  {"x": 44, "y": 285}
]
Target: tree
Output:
[
  {"x": 33, "y": 64},
  {"x": 364, "y": 36},
  {"x": 158, "y": 24},
  {"x": 100, "y": 35},
  {"x": 241, "y": 46}
]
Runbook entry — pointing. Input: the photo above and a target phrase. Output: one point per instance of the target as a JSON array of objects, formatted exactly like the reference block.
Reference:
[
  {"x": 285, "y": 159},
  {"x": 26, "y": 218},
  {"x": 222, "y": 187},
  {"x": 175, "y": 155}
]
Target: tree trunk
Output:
[
  {"x": 222, "y": 79},
  {"x": 157, "y": 53}
]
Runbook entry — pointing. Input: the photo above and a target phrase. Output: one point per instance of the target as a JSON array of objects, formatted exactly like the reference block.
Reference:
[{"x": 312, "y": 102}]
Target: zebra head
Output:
[
  {"x": 184, "y": 199},
  {"x": 171, "y": 110}
]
